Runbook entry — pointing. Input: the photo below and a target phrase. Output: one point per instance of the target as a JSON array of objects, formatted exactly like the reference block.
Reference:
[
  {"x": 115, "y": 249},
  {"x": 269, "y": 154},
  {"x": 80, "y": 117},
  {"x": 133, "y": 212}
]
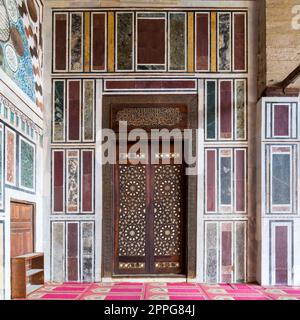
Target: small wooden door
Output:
[
  {"x": 149, "y": 217},
  {"x": 21, "y": 229}
]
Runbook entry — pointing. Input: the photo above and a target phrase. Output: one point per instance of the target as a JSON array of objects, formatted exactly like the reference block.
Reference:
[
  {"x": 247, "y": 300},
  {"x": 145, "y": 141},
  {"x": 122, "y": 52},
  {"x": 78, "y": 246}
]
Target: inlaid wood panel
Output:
[{"x": 149, "y": 213}]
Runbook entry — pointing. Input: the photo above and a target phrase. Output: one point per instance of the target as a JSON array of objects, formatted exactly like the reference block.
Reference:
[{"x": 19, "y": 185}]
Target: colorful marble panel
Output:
[
  {"x": 98, "y": 41},
  {"x": 211, "y": 109},
  {"x": 191, "y": 42},
  {"x": 225, "y": 105},
  {"x": 88, "y": 110},
  {"x": 87, "y": 182},
  {"x": 281, "y": 255},
  {"x": 59, "y": 111},
  {"x": 10, "y": 157},
  {"x": 281, "y": 179},
  {"x": 58, "y": 252},
  {"x": 213, "y": 41},
  {"x": 27, "y": 164},
  {"x": 239, "y": 41},
  {"x": 226, "y": 253},
  {"x": 74, "y": 110},
  {"x": 211, "y": 246},
  {"x": 240, "y": 180},
  {"x": 224, "y": 41},
  {"x": 61, "y": 29},
  {"x": 145, "y": 85},
  {"x": 72, "y": 181},
  {"x": 87, "y": 42},
  {"x": 240, "y": 251},
  {"x": 76, "y": 45},
  {"x": 111, "y": 42},
  {"x": 151, "y": 43},
  {"x": 1, "y": 167},
  {"x": 281, "y": 114},
  {"x": 177, "y": 41},
  {"x": 225, "y": 179},
  {"x": 124, "y": 41},
  {"x": 72, "y": 251},
  {"x": 58, "y": 181},
  {"x": 202, "y": 45},
  {"x": 240, "y": 109},
  {"x": 211, "y": 166},
  {"x": 87, "y": 254}
]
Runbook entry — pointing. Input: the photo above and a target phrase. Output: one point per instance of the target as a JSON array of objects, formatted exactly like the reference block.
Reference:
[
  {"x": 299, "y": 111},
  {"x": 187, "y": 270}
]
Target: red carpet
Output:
[{"x": 162, "y": 291}]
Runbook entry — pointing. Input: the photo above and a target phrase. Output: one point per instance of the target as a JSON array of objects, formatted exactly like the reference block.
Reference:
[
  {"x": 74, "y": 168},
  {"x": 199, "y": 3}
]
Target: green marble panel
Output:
[
  {"x": 59, "y": 111},
  {"x": 27, "y": 165},
  {"x": 240, "y": 109},
  {"x": 124, "y": 41},
  {"x": 211, "y": 110},
  {"x": 88, "y": 110},
  {"x": 177, "y": 36}
]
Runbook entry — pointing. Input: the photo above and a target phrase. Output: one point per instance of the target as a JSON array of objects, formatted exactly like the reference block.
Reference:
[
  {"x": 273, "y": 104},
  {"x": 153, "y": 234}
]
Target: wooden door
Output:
[
  {"x": 21, "y": 229},
  {"x": 149, "y": 218}
]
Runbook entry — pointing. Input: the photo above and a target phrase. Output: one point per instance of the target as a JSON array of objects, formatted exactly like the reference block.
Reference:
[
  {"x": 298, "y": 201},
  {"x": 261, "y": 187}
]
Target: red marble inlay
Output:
[
  {"x": 98, "y": 44},
  {"x": 72, "y": 251},
  {"x": 87, "y": 181},
  {"x": 239, "y": 41},
  {"x": 226, "y": 108},
  {"x": 281, "y": 120},
  {"x": 211, "y": 183},
  {"x": 151, "y": 41},
  {"x": 74, "y": 110},
  {"x": 124, "y": 84},
  {"x": 202, "y": 41},
  {"x": 281, "y": 254},
  {"x": 58, "y": 183},
  {"x": 60, "y": 42}
]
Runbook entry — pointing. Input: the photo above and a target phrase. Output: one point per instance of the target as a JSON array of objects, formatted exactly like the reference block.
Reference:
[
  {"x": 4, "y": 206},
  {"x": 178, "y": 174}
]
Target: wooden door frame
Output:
[
  {"x": 191, "y": 101},
  {"x": 17, "y": 201}
]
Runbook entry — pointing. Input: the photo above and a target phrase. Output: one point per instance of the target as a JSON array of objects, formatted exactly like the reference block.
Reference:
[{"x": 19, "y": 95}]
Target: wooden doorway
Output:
[
  {"x": 149, "y": 213},
  {"x": 21, "y": 228}
]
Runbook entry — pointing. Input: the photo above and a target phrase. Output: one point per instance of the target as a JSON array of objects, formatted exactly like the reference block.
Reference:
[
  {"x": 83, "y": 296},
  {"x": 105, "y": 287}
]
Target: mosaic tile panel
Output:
[
  {"x": 10, "y": 157},
  {"x": 15, "y": 55}
]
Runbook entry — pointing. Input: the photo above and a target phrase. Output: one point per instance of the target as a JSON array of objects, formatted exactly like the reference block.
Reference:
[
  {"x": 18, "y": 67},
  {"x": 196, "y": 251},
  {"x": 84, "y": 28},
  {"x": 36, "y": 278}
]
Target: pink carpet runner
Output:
[{"x": 162, "y": 291}]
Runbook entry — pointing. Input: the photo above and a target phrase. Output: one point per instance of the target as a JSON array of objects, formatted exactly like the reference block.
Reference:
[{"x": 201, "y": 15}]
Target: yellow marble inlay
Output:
[
  {"x": 87, "y": 37},
  {"x": 111, "y": 41},
  {"x": 213, "y": 40},
  {"x": 191, "y": 48}
]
